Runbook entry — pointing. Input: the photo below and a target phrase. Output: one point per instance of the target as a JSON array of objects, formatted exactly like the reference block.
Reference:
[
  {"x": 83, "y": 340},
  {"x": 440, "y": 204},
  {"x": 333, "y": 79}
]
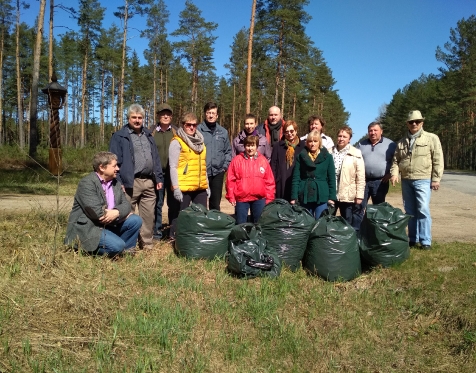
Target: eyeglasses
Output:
[
  {"x": 190, "y": 124},
  {"x": 414, "y": 121},
  {"x": 290, "y": 131}
]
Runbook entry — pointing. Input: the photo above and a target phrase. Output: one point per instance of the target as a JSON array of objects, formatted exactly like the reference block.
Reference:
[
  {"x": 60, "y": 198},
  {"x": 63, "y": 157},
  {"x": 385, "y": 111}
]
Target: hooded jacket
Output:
[{"x": 249, "y": 179}]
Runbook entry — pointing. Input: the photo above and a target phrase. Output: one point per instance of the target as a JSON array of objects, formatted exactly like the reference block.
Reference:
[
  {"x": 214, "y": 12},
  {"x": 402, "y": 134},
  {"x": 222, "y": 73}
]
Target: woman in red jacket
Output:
[{"x": 249, "y": 182}]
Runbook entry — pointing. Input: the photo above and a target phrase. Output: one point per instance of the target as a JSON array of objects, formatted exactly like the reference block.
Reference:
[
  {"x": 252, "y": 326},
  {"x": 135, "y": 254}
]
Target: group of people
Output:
[{"x": 188, "y": 163}]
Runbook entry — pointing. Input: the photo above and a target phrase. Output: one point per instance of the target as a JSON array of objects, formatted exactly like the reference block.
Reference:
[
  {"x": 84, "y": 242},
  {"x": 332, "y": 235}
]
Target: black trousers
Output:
[{"x": 216, "y": 190}]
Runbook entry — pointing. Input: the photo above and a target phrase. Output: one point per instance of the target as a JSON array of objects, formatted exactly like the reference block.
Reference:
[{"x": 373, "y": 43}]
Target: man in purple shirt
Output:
[{"x": 101, "y": 221}]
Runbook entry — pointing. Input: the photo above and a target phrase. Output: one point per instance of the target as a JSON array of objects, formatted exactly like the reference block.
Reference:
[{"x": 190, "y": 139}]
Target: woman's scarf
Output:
[
  {"x": 290, "y": 151},
  {"x": 313, "y": 156},
  {"x": 195, "y": 142}
]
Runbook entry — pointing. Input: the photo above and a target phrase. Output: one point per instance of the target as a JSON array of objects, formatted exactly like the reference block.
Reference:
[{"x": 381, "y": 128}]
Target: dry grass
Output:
[{"x": 155, "y": 312}]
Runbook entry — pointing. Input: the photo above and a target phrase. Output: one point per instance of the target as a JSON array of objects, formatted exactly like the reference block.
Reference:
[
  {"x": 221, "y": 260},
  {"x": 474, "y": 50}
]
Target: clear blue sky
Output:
[{"x": 373, "y": 47}]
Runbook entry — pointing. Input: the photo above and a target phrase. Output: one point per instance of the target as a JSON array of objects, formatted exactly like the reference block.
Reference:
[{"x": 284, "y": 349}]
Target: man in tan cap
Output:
[
  {"x": 163, "y": 134},
  {"x": 419, "y": 158}
]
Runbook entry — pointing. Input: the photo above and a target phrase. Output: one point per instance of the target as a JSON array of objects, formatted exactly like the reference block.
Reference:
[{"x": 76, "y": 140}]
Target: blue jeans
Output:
[
  {"x": 115, "y": 239},
  {"x": 376, "y": 190},
  {"x": 416, "y": 196},
  {"x": 256, "y": 207},
  {"x": 315, "y": 209}
]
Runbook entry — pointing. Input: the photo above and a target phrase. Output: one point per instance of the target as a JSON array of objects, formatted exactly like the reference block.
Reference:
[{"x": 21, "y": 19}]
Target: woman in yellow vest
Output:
[{"x": 188, "y": 166}]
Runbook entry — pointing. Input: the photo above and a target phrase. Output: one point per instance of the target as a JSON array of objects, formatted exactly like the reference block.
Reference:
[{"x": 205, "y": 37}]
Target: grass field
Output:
[
  {"x": 61, "y": 311},
  {"x": 155, "y": 312}
]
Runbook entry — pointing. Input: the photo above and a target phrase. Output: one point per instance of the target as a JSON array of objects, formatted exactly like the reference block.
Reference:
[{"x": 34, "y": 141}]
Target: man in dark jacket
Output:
[
  {"x": 273, "y": 126},
  {"x": 100, "y": 221},
  {"x": 218, "y": 147},
  {"x": 140, "y": 169},
  {"x": 163, "y": 134}
]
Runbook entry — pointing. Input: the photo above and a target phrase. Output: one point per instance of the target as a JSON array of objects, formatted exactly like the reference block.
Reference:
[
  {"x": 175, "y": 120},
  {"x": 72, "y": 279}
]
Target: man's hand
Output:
[
  {"x": 394, "y": 180},
  {"x": 109, "y": 216},
  {"x": 293, "y": 202},
  {"x": 386, "y": 178},
  {"x": 159, "y": 186},
  {"x": 435, "y": 185},
  {"x": 358, "y": 201}
]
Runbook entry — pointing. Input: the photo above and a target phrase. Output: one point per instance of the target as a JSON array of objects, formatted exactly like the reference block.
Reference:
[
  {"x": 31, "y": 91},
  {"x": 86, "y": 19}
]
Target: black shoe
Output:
[
  {"x": 412, "y": 244},
  {"x": 426, "y": 247}
]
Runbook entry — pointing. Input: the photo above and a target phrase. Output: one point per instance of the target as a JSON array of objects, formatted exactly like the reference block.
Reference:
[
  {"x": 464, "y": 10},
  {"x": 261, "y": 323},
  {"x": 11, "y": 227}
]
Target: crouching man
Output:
[{"x": 101, "y": 221}]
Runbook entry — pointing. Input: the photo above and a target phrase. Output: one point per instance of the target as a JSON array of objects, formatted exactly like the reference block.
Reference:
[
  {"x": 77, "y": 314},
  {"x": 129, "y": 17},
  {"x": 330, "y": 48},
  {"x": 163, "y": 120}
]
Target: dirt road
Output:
[{"x": 453, "y": 207}]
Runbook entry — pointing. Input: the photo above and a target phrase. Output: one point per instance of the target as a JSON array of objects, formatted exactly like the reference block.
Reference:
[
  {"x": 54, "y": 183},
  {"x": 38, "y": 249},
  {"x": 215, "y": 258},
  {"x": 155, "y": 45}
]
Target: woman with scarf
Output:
[
  {"x": 350, "y": 177},
  {"x": 238, "y": 146},
  {"x": 188, "y": 166},
  {"x": 314, "y": 180},
  {"x": 283, "y": 159}
]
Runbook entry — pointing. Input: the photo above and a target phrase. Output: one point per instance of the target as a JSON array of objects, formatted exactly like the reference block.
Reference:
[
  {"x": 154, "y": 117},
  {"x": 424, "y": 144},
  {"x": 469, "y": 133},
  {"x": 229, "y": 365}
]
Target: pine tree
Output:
[
  {"x": 197, "y": 45},
  {"x": 6, "y": 20}
]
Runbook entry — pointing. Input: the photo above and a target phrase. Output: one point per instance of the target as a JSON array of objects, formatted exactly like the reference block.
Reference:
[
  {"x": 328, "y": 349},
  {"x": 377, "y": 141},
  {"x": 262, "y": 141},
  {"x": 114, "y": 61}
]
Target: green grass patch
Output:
[{"x": 155, "y": 312}]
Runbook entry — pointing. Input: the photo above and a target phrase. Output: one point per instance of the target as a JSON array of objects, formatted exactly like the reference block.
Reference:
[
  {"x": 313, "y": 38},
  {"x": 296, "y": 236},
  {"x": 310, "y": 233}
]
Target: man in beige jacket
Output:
[{"x": 419, "y": 159}]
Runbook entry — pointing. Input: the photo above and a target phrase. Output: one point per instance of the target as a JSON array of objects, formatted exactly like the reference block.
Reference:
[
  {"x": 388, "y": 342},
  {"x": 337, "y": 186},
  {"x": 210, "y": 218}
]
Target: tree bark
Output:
[
  {"x": 123, "y": 67},
  {"x": 21, "y": 133},
  {"x": 250, "y": 51},
  {"x": 34, "y": 81},
  {"x": 50, "y": 42}
]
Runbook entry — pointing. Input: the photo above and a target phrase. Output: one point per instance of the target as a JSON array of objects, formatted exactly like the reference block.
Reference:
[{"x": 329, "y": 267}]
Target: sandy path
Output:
[{"x": 453, "y": 212}]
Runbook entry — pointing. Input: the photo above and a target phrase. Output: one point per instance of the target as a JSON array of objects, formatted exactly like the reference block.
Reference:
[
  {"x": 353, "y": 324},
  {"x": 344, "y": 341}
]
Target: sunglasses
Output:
[
  {"x": 190, "y": 124},
  {"x": 290, "y": 131},
  {"x": 415, "y": 121}
]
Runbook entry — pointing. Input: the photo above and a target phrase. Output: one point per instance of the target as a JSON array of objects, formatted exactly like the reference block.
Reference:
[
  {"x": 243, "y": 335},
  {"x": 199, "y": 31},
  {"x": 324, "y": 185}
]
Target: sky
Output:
[{"x": 373, "y": 47}]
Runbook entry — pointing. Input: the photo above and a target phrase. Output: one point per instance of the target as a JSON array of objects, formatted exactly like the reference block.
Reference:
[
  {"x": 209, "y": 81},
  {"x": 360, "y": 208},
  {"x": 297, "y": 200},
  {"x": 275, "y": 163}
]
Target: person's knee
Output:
[{"x": 134, "y": 221}]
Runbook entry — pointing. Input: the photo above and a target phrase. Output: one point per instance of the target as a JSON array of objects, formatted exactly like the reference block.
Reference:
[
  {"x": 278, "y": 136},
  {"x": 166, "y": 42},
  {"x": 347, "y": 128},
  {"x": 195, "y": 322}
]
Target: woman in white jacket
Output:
[{"x": 350, "y": 177}]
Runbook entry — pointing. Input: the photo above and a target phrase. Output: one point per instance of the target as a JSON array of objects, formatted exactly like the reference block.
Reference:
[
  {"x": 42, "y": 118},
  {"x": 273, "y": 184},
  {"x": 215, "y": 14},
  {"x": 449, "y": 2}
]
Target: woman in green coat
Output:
[{"x": 314, "y": 177}]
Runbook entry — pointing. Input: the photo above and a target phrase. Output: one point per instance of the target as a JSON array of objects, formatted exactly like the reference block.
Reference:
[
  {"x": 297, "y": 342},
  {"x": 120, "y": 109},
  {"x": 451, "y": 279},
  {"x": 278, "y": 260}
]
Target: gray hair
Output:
[
  {"x": 375, "y": 124},
  {"x": 135, "y": 109},
  {"x": 103, "y": 159}
]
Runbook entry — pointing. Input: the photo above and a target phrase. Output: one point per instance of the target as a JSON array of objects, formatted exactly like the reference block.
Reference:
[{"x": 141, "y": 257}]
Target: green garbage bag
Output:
[
  {"x": 248, "y": 255},
  {"x": 382, "y": 237},
  {"x": 202, "y": 233},
  {"x": 333, "y": 250},
  {"x": 287, "y": 228}
]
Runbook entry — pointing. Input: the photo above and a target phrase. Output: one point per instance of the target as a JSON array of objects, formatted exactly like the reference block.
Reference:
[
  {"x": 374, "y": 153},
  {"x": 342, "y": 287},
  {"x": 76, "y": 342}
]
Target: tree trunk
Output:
[
  {"x": 250, "y": 50},
  {"x": 113, "y": 121},
  {"x": 21, "y": 134},
  {"x": 34, "y": 81},
  {"x": 232, "y": 132},
  {"x": 101, "y": 109},
  {"x": 123, "y": 68},
  {"x": 154, "y": 95},
  {"x": 2, "y": 38},
  {"x": 50, "y": 42},
  {"x": 83, "y": 97},
  {"x": 284, "y": 88},
  {"x": 278, "y": 68}
]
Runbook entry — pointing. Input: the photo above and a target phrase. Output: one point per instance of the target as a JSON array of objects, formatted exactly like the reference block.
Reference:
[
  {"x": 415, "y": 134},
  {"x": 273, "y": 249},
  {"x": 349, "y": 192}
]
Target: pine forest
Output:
[{"x": 272, "y": 61}]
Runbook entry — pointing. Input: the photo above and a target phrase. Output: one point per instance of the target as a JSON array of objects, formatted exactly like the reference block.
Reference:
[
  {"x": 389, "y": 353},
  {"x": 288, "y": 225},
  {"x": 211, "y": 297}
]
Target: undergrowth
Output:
[{"x": 155, "y": 312}]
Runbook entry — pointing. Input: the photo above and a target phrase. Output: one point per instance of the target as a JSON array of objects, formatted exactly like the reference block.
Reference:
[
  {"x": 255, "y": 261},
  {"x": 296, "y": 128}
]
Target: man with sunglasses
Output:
[
  {"x": 163, "y": 134},
  {"x": 419, "y": 159}
]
